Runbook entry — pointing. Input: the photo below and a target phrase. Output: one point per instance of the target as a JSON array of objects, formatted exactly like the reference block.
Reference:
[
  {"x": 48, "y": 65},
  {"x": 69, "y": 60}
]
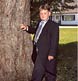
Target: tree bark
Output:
[{"x": 15, "y": 44}]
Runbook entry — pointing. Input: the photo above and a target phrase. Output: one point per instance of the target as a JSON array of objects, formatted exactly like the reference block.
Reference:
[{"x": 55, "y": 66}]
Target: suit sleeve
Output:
[
  {"x": 31, "y": 30},
  {"x": 54, "y": 39}
]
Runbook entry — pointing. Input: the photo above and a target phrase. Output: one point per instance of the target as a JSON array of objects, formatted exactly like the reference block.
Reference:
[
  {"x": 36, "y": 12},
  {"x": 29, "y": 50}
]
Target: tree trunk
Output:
[{"x": 15, "y": 44}]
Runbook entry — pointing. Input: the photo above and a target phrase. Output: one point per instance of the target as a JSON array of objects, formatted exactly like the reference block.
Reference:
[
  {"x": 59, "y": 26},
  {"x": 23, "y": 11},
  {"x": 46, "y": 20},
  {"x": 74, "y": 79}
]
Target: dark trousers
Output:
[{"x": 41, "y": 69}]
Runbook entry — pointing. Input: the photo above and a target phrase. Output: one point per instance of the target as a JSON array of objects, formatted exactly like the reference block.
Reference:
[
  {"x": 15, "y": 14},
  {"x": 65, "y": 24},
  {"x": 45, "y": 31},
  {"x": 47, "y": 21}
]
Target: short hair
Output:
[{"x": 45, "y": 7}]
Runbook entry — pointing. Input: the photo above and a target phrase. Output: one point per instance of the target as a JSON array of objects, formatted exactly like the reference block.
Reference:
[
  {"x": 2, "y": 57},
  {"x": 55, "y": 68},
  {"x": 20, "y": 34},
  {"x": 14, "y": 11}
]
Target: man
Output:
[{"x": 45, "y": 46}]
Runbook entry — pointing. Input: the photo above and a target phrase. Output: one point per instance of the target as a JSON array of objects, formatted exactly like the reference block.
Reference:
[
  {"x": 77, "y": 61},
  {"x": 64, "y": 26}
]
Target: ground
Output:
[{"x": 67, "y": 57}]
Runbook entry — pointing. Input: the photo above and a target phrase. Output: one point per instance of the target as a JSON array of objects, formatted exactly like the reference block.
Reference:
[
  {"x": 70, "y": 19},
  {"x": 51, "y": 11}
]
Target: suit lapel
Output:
[{"x": 45, "y": 26}]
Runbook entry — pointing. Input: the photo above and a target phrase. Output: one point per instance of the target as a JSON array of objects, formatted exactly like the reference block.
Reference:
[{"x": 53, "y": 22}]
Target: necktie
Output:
[{"x": 38, "y": 32}]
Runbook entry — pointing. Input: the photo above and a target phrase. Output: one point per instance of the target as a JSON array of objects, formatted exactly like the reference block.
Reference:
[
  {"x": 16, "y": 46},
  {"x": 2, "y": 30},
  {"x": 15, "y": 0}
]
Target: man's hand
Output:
[
  {"x": 23, "y": 27},
  {"x": 50, "y": 58}
]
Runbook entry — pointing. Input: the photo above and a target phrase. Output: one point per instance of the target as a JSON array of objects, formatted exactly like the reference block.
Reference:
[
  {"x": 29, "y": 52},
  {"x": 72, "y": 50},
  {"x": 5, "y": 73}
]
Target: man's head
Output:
[{"x": 44, "y": 12}]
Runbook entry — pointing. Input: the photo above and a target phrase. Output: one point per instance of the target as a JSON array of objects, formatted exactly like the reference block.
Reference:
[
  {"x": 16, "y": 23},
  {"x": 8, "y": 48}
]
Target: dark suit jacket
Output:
[{"x": 48, "y": 41}]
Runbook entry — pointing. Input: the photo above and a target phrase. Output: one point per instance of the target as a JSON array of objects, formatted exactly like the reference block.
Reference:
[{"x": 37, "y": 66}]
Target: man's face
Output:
[{"x": 44, "y": 14}]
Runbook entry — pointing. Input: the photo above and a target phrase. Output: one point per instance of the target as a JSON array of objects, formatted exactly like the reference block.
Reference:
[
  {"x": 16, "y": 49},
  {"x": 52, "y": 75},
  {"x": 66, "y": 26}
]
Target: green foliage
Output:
[{"x": 56, "y": 5}]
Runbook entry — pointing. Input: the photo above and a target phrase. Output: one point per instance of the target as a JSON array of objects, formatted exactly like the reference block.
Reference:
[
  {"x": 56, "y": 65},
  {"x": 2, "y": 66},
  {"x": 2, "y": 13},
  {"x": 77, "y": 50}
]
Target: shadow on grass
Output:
[{"x": 67, "y": 62}]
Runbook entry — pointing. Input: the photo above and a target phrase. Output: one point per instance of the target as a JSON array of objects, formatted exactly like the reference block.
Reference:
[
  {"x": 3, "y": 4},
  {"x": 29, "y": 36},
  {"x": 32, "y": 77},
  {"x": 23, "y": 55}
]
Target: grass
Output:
[
  {"x": 68, "y": 35},
  {"x": 67, "y": 57}
]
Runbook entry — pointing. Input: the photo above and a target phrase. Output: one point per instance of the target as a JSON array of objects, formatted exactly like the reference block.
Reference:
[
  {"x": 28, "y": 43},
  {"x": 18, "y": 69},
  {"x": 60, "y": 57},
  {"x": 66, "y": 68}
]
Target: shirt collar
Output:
[{"x": 45, "y": 20}]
